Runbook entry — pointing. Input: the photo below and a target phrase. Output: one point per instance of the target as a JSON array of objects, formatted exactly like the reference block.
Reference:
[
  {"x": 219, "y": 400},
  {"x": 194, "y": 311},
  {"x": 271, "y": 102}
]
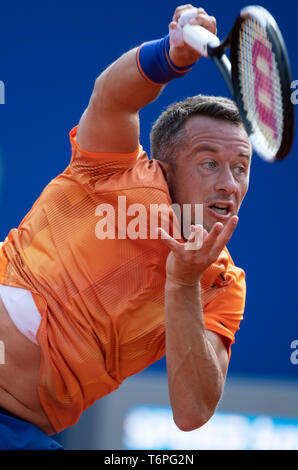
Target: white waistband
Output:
[{"x": 22, "y": 310}]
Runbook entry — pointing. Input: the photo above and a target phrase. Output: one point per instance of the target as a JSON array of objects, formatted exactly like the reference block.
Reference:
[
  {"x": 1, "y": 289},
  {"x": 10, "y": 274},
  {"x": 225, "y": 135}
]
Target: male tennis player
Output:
[{"x": 80, "y": 312}]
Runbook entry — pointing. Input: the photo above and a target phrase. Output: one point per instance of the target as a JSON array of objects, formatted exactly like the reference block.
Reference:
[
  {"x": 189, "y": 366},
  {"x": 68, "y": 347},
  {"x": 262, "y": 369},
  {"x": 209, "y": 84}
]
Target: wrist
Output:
[
  {"x": 155, "y": 64},
  {"x": 178, "y": 282},
  {"x": 182, "y": 58}
]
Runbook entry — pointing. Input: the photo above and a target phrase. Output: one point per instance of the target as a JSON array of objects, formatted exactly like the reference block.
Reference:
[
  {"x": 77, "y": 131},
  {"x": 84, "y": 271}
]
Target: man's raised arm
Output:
[{"x": 111, "y": 122}]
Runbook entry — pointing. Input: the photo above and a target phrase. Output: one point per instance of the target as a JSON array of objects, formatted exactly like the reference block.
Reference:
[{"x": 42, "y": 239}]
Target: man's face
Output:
[{"x": 211, "y": 169}]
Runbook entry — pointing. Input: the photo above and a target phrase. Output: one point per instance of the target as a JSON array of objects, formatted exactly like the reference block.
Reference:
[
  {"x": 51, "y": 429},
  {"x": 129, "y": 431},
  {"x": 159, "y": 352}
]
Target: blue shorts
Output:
[{"x": 17, "y": 434}]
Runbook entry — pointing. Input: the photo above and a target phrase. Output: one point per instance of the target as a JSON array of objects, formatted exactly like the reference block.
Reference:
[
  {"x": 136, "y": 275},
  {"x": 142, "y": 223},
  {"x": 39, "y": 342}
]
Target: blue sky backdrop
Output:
[{"x": 50, "y": 54}]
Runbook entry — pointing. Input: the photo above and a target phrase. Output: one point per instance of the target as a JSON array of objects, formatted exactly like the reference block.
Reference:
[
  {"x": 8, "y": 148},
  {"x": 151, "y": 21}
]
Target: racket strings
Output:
[{"x": 260, "y": 87}]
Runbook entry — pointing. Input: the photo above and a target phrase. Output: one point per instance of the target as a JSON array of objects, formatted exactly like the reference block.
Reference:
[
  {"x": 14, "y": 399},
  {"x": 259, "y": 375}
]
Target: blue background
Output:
[{"x": 50, "y": 55}]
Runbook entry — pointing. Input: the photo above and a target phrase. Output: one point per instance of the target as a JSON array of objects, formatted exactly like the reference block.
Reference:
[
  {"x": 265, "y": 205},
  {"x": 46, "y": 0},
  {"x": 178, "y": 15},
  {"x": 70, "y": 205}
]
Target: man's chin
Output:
[{"x": 208, "y": 224}]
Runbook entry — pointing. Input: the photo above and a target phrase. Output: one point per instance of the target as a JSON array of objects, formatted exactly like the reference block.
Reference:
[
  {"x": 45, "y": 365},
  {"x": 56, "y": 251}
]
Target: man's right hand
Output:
[{"x": 184, "y": 55}]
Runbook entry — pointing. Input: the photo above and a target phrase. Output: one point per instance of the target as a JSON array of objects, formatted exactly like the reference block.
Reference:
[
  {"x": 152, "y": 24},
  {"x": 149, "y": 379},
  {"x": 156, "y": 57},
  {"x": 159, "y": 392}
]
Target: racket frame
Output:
[
  {"x": 230, "y": 72},
  {"x": 279, "y": 49}
]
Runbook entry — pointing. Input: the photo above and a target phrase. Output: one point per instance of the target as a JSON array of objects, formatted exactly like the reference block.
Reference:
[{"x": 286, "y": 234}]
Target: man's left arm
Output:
[{"x": 197, "y": 359}]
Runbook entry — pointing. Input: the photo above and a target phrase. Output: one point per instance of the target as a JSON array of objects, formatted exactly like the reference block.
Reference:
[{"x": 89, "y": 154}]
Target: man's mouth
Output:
[{"x": 222, "y": 209}]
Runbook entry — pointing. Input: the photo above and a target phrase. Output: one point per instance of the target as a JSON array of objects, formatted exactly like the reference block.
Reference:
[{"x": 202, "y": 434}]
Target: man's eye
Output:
[
  {"x": 240, "y": 169},
  {"x": 210, "y": 164}
]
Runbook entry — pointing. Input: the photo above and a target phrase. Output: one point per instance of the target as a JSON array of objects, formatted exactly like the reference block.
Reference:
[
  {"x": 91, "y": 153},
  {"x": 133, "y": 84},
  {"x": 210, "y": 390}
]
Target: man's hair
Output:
[{"x": 167, "y": 134}]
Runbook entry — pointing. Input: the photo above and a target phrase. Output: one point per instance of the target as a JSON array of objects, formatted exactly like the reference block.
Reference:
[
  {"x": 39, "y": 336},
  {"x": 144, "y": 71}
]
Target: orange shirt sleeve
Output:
[
  {"x": 225, "y": 312},
  {"x": 97, "y": 164}
]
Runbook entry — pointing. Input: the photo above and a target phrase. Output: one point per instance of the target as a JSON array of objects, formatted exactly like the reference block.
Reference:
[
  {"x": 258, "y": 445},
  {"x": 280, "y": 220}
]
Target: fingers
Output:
[
  {"x": 206, "y": 246},
  {"x": 182, "y": 54},
  {"x": 208, "y": 22},
  {"x": 202, "y": 18},
  {"x": 173, "y": 25},
  {"x": 205, "y": 233},
  {"x": 228, "y": 230},
  {"x": 215, "y": 241},
  {"x": 186, "y": 265},
  {"x": 181, "y": 9},
  {"x": 219, "y": 236},
  {"x": 171, "y": 243},
  {"x": 196, "y": 238}
]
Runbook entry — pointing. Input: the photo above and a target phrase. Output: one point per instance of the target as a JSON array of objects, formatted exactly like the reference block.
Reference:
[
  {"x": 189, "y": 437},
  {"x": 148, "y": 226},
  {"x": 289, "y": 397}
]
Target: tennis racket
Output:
[{"x": 258, "y": 76}]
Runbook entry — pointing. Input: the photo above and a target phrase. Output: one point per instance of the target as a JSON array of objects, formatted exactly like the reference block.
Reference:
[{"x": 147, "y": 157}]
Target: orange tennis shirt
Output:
[{"x": 102, "y": 300}]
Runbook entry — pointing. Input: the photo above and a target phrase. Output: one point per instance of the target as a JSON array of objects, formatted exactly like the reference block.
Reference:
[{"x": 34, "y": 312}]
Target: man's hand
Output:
[
  {"x": 187, "y": 261},
  {"x": 197, "y": 359},
  {"x": 184, "y": 55}
]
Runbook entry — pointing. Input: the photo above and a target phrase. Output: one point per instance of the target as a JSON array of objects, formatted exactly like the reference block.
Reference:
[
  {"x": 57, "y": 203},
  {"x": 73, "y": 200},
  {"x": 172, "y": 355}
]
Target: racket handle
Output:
[
  {"x": 199, "y": 38},
  {"x": 194, "y": 35}
]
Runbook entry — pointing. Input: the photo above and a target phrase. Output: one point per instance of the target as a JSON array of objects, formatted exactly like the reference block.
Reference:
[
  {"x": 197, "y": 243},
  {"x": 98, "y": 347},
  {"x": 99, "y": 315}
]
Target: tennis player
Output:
[{"x": 80, "y": 312}]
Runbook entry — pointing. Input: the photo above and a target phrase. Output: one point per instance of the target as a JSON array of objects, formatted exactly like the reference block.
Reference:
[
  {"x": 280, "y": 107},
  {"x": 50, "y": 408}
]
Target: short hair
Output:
[{"x": 167, "y": 134}]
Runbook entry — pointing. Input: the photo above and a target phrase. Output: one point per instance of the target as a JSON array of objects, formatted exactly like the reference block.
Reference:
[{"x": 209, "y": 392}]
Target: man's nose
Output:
[{"x": 226, "y": 182}]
